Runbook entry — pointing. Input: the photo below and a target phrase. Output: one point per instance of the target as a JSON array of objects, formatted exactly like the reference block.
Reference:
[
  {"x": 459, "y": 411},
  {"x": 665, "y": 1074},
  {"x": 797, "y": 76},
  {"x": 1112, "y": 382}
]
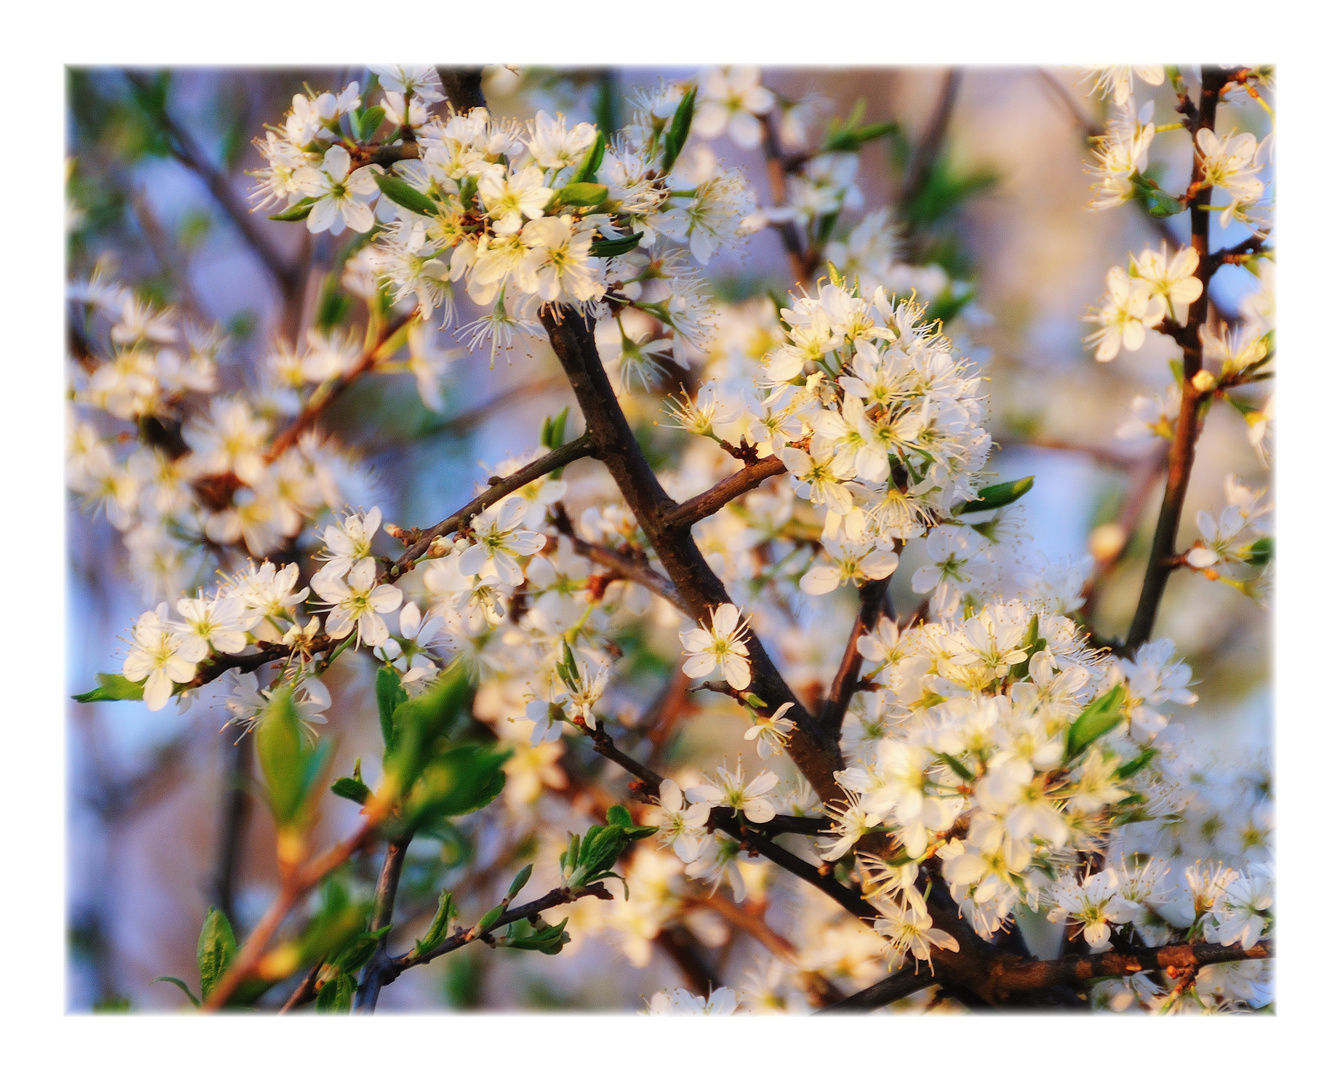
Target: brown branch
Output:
[
  {"x": 727, "y": 490},
  {"x": 1183, "y": 452},
  {"x": 613, "y": 442},
  {"x": 233, "y": 826},
  {"x": 298, "y": 885},
  {"x": 1063, "y": 95},
  {"x": 499, "y": 488},
  {"x": 304, "y": 992},
  {"x": 899, "y": 985},
  {"x": 797, "y": 249},
  {"x": 1022, "y": 976},
  {"x": 1128, "y": 520},
  {"x": 383, "y": 908},
  {"x": 312, "y": 411},
  {"x": 463, "y": 87},
  {"x": 834, "y": 708}
]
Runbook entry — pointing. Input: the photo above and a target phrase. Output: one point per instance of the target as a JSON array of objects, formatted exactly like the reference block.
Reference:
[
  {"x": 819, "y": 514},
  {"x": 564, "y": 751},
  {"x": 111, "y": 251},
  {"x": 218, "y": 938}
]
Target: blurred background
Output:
[{"x": 161, "y": 820}]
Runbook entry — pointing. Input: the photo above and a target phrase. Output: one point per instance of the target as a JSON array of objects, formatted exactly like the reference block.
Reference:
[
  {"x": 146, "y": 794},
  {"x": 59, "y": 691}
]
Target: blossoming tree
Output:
[{"x": 981, "y": 802}]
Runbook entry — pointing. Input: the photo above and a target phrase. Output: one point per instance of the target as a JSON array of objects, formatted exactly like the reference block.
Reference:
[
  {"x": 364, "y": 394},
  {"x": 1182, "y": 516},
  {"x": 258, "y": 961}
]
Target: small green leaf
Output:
[
  {"x": 402, "y": 194},
  {"x": 283, "y": 763},
  {"x": 1136, "y": 763},
  {"x": 538, "y": 938},
  {"x": 297, "y": 212},
  {"x": 391, "y": 695},
  {"x": 215, "y": 950},
  {"x": 619, "y": 815},
  {"x": 960, "y": 770},
  {"x": 113, "y": 688},
  {"x": 418, "y": 722},
  {"x": 1099, "y": 717},
  {"x": 359, "y": 951},
  {"x": 336, "y": 995},
  {"x": 369, "y": 120},
  {"x": 346, "y": 787},
  {"x": 587, "y": 169},
  {"x": 609, "y": 249},
  {"x": 583, "y": 194},
  {"x": 437, "y": 932},
  {"x": 181, "y": 986},
  {"x": 491, "y": 917},
  {"x": 519, "y": 882},
  {"x": 678, "y": 133},
  {"x": 996, "y": 496}
]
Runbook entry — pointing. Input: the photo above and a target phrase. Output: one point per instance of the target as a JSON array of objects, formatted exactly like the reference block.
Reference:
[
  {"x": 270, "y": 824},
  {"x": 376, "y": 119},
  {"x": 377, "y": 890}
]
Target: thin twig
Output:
[{"x": 726, "y": 491}]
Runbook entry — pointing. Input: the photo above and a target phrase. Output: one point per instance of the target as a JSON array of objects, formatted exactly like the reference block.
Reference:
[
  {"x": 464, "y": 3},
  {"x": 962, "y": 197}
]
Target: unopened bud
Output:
[{"x": 1203, "y": 381}]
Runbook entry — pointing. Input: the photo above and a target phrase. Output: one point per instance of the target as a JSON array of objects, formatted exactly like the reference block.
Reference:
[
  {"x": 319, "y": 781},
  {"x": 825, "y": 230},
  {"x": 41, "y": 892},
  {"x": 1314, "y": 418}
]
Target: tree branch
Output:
[
  {"x": 1183, "y": 452},
  {"x": 614, "y": 444},
  {"x": 714, "y": 498},
  {"x": 383, "y": 908},
  {"x": 899, "y": 985},
  {"x": 849, "y": 671}
]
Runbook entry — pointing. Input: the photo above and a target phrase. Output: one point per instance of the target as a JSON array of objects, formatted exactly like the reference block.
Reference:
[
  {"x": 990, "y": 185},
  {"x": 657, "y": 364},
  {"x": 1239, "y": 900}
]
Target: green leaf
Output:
[
  {"x": 491, "y": 917},
  {"x": 519, "y": 882},
  {"x": 609, "y": 249},
  {"x": 359, "y": 951},
  {"x": 1261, "y": 551},
  {"x": 1136, "y": 763},
  {"x": 332, "y": 305},
  {"x": 283, "y": 762},
  {"x": 848, "y": 139},
  {"x": 346, "y": 787},
  {"x": 996, "y": 496},
  {"x": 113, "y": 688},
  {"x": 297, "y": 212},
  {"x": 553, "y": 430},
  {"x": 583, "y": 194},
  {"x": 960, "y": 770},
  {"x": 678, "y": 132},
  {"x": 437, "y": 932},
  {"x": 336, "y": 995},
  {"x": 460, "y": 781},
  {"x": 594, "y": 156},
  {"x": 402, "y": 194},
  {"x": 391, "y": 695},
  {"x": 538, "y": 938},
  {"x": 181, "y": 986},
  {"x": 619, "y": 815},
  {"x": 418, "y": 722},
  {"x": 1099, "y": 717},
  {"x": 369, "y": 120},
  {"x": 215, "y": 950}
]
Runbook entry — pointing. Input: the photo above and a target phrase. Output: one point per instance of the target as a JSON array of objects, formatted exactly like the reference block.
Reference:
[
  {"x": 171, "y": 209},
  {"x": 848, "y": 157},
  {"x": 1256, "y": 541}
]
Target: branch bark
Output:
[{"x": 702, "y": 591}]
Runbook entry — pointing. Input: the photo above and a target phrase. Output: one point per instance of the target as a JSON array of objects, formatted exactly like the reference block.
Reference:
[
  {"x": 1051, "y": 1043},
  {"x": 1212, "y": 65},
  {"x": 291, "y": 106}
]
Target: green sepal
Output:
[
  {"x": 1099, "y": 717},
  {"x": 297, "y": 212},
  {"x": 402, "y": 194},
  {"x": 113, "y": 688},
  {"x": 1261, "y": 551},
  {"x": 609, "y": 249},
  {"x": 181, "y": 986},
  {"x": 678, "y": 132},
  {"x": 996, "y": 496},
  {"x": 214, "y": 950},
  {"x": 960, "y": 770}
]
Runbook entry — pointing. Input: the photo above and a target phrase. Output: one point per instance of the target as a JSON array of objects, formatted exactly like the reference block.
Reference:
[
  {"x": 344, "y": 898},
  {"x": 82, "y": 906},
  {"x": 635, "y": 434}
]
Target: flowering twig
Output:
[{"x": 1182, "y": 455}]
